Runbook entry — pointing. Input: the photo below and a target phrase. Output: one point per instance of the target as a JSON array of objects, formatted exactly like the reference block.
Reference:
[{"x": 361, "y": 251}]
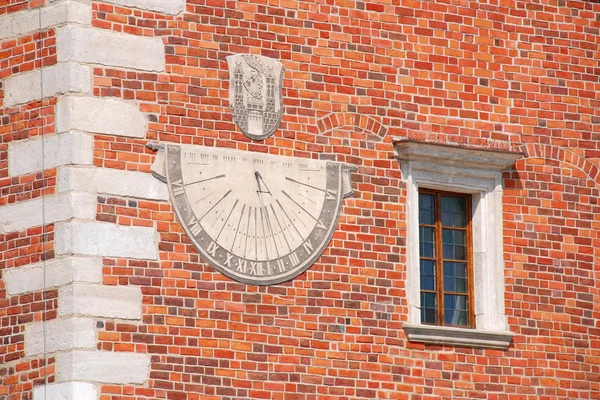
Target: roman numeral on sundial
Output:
[
  {"x": 194, "y": 226},
  {"x": 330, "y": 194},
  {"x": 308, "y": 246},
  {"x": 177, "y": 187}
]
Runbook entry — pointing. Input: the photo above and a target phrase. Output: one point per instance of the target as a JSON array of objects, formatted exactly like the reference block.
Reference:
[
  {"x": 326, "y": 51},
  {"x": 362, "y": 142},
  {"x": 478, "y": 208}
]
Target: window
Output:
[
  {"x": 445, "y": 259},
  {"x": 455, "y": 264}
]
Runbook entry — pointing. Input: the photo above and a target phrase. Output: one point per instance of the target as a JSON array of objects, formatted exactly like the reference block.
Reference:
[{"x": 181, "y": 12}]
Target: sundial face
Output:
[{"x": 255, "y": 217}]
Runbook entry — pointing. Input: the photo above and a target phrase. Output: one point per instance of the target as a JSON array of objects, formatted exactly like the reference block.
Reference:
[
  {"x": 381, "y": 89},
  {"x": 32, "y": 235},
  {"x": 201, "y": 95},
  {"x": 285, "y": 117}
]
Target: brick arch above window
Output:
[
  {"x": 362, "y": 122},
  {"x": 550, "y": 152}
]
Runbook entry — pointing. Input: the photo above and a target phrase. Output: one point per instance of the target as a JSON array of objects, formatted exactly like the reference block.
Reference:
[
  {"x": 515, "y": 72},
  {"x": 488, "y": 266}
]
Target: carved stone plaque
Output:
[
  {"x": 255, "y": 95},
  {"x": 255, "y": 217}
]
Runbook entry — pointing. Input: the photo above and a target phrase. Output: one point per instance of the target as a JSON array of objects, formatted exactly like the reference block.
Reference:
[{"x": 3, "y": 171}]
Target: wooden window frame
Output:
[{"x": 439, "y": 257}]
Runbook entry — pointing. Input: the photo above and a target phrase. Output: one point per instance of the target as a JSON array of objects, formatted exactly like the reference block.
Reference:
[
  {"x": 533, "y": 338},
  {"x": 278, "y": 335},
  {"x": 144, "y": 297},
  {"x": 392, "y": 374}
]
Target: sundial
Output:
[{"x": 255, "y": 217}]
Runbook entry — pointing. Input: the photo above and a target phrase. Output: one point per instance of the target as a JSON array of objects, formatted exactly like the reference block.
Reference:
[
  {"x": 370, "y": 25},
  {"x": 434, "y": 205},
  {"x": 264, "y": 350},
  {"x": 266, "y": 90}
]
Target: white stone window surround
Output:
[{"x": 479, "y": 173}]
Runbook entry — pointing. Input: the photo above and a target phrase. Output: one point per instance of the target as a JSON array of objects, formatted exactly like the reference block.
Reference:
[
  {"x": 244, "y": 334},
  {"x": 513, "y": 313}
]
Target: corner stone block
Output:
[
  {"x": 25, "y": 156},
  {"x": 99, "y": 46},
  {"x": 22, "y": 23},
  {"x": 57, "y": 79},
  {"x": 58, "y": 272},
  {"x": 100, "y": 115},
  {"x": 105, "y": 240},
  {"x": 171, "y": 7},
  {"x": 62, "y": 334},
  {"x": 117, "y": 182},
  {"x": 27, "y": 214},
  {"x": 124, "y": 302},
  {"x": 103, "y": 367},
  {"x": 66, "y": 391}
]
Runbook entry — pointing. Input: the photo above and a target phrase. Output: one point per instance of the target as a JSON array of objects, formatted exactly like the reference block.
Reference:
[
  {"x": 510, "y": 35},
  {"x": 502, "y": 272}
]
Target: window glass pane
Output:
[
  {"x": 456, "y": 310},
  {"x": 455, "y": 277},
  {"x": 426, "y": 241},
  {"x": 454, "y": 244},
  {"x": 454, "y": 211},
  {"x": 426, "y": 209},
  {"x": 428, "y": 308},
  {"x": 427, "y": 275}
]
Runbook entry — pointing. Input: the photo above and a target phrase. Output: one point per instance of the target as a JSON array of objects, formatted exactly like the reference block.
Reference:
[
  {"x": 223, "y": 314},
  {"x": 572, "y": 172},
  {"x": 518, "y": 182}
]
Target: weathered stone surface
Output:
[
  {"x": 57, "y": 79},
  {"x": 213, "y": 187},
  {"x": 105, "y": 239},
  {"x": 60, "y": 334},
  {"x": 112, "y": 182},
  {"x": 25, "y": 156},
  {"x": 59, "y": 271},
  {"x": 123, "y": 302},
  {"x": 255, "y": 96},
  {"x": 66, "y": 391},
  {"x": 100, "y": 46},
  {"x": 58, "y": 207},
  {"x": 167, "y": 7},
  {"x": 100, "y": 115},
  {"x": 21, "y": 23},
  {"x": 103, "y": 367}
]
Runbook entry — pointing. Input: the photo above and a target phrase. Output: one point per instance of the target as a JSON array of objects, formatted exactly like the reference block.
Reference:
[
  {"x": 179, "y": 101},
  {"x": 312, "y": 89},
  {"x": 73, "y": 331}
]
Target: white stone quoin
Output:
[
  {"x": 80, "y": 242},
  {"x": 62, "y": 334},
  {"x": 123, "y": 302},
  {"x": 172, "y": 7},
  {"x": 105, "y": 239},
  {"x": 57, "y": 79},
  {"x": 66, "y": 391},
  {"x": 109, "y": 181},
  {"x": 25, "y": 156},
  {"x": 25, "y": 22},
  {"x": 104, "y": 47},
  {"x": 57, "y": 207},
  {"x": 100, "y": 115},
  {"x": 103, "y": 367},
  {"x": 59, "y": 271}
]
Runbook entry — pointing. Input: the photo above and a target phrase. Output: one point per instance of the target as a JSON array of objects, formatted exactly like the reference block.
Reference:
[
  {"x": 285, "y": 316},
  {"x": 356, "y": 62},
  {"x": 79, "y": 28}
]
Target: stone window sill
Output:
[{"x": 458, "y": 336}]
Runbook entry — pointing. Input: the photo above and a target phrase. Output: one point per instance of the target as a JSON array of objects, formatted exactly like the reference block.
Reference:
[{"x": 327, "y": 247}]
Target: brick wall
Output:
[{"x": 511, "y": 75}]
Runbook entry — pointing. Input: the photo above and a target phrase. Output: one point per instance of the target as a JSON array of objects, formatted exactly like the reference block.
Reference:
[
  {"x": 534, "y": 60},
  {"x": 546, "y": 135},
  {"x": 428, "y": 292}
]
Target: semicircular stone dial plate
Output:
[{"x": 256, "y": 218}]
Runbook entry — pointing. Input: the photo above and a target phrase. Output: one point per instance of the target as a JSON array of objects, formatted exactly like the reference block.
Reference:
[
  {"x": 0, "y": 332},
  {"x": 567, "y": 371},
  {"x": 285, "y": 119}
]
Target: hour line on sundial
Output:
[
  {"x": 238, "y": 227},
  {"x": 301, "y": 195},
  {"x": 296, "y": 203},
  {"x": 220, "y": 200},
  {"x": 305, "y": 184},
  {"x": 291, "y": 222},
  {"x": 205, "y": 180},
  {"x": 280, "y": 227},
  {"x": 227, "y": 220}
]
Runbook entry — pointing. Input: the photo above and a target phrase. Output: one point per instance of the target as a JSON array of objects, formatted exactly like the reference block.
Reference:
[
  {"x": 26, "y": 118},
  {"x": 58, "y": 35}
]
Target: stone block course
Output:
[
  {"x": 167, "y": 7},
  {"x": 55, "y": 13},
  {"x": 52, "y": 273},
  {"x": 106, "y": 240},
  {"x": 102, "y": 47},
  {"x": 68, "y": 148},
  {"x": 63, "y": 334},
  {"x": 100, "y": 301},
  {"x": 66, "y": 391},
  {"x": 112, "y": 182},
  {"x": 46, "y": 210},
  {"x": 100, "y": 115},
  {"x": 102, "y": 367},
  {"x": 57, "y": 79}
]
